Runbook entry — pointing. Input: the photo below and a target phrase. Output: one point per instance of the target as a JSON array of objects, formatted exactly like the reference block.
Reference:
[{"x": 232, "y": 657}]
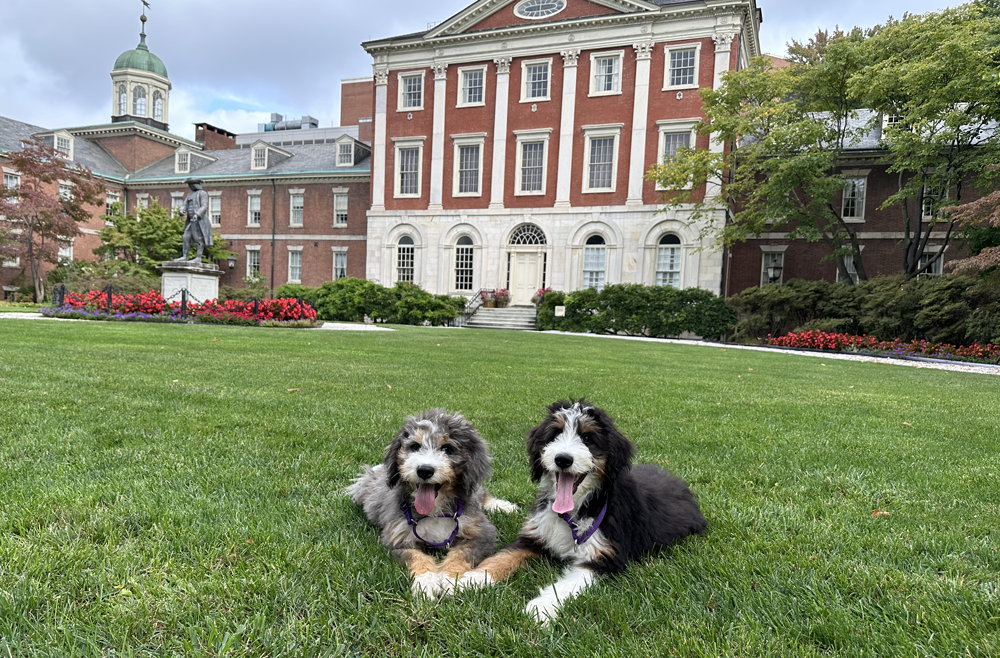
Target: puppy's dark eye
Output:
[
  {"x": 588, "y": 438},
  {"x": 413, "y": 447},
  {"x": 448, "y": 449}
]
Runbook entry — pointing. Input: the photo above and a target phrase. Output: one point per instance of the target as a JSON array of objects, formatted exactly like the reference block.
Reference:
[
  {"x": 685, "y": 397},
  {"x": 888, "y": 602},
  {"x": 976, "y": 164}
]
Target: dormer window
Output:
[
  {"x": 264, "y": 155},
  {"x": 183, "y": 163},
  {"x": 259, "y": 158},
  {"x": 345, "y": 154},
  {"x": 63, "y": 143}
]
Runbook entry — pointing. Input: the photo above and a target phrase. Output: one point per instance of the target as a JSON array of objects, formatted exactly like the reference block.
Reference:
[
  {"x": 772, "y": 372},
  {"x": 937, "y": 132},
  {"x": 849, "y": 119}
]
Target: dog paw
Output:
[
  {"x": 472, "y": 580},
  {"x": 500, "y": 505},
  {"x": 543, "y": 608},
  {"x": 428, "y": 584}
]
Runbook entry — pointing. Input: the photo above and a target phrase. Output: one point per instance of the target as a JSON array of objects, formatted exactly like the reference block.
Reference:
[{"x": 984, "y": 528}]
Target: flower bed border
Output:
[{"x": 840, "y": 343}]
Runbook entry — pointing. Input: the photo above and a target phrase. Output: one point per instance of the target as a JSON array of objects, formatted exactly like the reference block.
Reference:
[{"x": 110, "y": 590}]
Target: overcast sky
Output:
[{"x": 233, "y": 63}]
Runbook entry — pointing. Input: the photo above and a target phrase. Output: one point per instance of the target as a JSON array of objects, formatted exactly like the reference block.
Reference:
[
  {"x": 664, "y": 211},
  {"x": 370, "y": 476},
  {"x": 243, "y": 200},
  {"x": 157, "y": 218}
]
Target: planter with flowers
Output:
[
  {"x": 501, "y": 297},
  {"x": 488, "y": 299}
]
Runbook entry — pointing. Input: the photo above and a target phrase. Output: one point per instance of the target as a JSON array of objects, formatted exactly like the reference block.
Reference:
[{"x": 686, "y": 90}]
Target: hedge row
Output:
[
  {"x": 959, "y": 310},
  {"x": 351, "y": 300},
  {"x": 636, "y": 310}
]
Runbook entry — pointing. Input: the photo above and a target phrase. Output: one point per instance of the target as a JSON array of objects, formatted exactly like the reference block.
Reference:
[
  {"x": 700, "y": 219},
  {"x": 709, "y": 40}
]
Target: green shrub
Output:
[
  {"x": 307, "y": 294},
  {"x": 82, "y": 276},
  {"x": 346, "y": 300},
  {"x": 351, "y": 300},
  {"x": 938, "y": 309},
  {"x": 545, "y": 319}
]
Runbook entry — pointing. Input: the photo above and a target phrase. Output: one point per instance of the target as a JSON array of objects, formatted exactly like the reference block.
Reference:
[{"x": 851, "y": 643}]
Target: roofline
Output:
[
  {"x": 364, "y": 175},
  {"x": 112, "y": 129},
  {"x": 366, "y": 78}
]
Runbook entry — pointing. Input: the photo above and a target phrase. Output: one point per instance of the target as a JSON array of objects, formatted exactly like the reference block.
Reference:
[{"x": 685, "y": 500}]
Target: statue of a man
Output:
[{"x": 197, "y": 227}]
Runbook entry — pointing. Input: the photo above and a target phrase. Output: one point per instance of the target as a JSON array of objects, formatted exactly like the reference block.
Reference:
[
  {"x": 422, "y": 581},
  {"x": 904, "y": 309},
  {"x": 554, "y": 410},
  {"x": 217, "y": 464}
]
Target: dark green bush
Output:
[
  {"x": 636, "y": 310},
  {"x": 351, "y": 300},
  {"x": 296, "y": 291},
  {"x": 938, "y": 309},
  {"x": 347, "y": 300}
]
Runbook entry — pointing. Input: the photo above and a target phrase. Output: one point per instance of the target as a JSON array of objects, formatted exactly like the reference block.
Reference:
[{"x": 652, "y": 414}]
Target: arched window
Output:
[
  {"x": 527, "y": 234},
  {"x": 594, "y": 259},
  {"x": 157, "y": 106},
  {"x": 122, "y": 100},
  {"x": 139, "y": 101},
  {"x": 405, "y": 258},
  {"x": 464, "y": 255},
  {"x": 668, "y": 261}
]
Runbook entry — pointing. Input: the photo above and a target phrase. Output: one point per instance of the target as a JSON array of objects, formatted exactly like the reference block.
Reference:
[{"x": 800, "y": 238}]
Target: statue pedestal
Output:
[{"x": 201, "y": 280}]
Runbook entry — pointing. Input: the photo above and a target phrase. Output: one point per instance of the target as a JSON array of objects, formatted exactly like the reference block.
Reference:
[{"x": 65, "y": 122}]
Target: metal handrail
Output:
[{"x": 471, "y": 306}]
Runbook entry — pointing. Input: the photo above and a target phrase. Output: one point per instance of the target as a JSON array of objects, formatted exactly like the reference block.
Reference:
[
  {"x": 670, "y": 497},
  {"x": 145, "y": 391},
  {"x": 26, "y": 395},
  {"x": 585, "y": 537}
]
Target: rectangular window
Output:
[
  {"x": 142, "y": 202},
  {"x": 11, "y": 181},
  {"x": 110, "y": 199},
  {"x": 593, "y": 267},
  {"x": 937, "y": 261},
  {"x": 464, "y": 256},
  {"x": 411, "y": 92},
  {"x": 260, "y": 158},
  {"x": 16, "y": 262},
  {"x": 472, "y": 87},
  {"x": 253, "y": 210},
  {"x": 851, "y": 268},
  {"x": 298, "y": 208},
  {"x": 253, "y": 262},
  {"x": 405, "y": 258},
  {"x": 668, "y": 267},
  {"x": 62, "y": 146},
  {"x": 340, "y": 210},
  {"x": 345, "y": 154},
  {"x": 536, "y": 81},
  {"x": 601, "y": 164},
  {"x": 66, "y": 252},
  {"x": 775, "y": 260},
  {"x": 854, "y": 198},
  {"x": 215, "y": 210},
  {"x": 672, "y": 142},
  {"x": 294, "y": 266},
  {"x": 683, "y": 66},
  {"x": 607, "y": 72},
  {"x": 932, "y": 205},
  {"x": 532, "y": 166},
  {"x": 409, "y": 171},
  {"x": 65, "y": 192},
  {"x": 176, "y": 203},
  {"x": 183, "y": 163},
  {"x": 468, "y": 169},
  {"x": 339, "y": 265}
]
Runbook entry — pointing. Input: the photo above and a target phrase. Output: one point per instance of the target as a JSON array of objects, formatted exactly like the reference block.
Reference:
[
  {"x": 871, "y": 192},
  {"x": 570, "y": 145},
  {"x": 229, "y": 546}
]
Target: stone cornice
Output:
[
  {"x": 126, "y": 129},
  {"x": 256, "y": 179}
]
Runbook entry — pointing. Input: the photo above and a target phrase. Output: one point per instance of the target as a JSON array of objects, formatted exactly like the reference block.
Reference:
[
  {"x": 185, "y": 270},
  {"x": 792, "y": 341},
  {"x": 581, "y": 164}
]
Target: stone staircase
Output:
[{"x": 517, "y": 318}]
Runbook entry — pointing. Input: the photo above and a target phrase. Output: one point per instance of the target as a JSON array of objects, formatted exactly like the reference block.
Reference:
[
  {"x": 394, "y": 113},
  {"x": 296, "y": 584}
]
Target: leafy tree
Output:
[
  {"x": 150, "y": 237},
  {"x": 792, "y": 125},
  {"x": 937, "y": 75},
  {"x": 39, "y": 216}
]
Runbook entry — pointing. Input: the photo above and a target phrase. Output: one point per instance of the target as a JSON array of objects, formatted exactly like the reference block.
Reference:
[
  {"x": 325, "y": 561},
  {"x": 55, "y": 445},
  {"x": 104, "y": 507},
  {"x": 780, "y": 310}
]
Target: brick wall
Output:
[
  {"x": 135, "y": 152},
  {"x": 213, "y": 138},
  {"x": 357, "y": 102}
]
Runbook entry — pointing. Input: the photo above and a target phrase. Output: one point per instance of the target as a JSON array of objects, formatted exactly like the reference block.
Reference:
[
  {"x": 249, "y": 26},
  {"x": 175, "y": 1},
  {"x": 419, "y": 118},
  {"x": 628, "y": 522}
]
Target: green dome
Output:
[{"x": 141, "y": 59}]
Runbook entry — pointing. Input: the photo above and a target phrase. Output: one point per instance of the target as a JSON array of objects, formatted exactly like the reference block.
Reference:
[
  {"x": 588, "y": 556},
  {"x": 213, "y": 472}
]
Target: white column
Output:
[
  {"x": 500, "y": 134},
  {"x": 723, "y": 51},
  {"x": 378, "y": 161},
  {"x": 566, "y": 127},
  {"x": 640, "y": 113},
  {"x": 437, "y": 136}
]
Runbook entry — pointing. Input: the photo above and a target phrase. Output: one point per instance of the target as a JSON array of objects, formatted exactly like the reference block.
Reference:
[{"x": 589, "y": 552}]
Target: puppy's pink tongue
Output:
[
  {"x": 564, "y": 493},
  {"x": 424, "y": 500}
]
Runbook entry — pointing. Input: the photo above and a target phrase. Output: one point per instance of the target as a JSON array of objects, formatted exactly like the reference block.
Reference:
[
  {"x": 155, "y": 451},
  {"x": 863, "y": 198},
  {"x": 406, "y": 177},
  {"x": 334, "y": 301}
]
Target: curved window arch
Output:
[
  {"x": 122, "y": 100},
  {"x": 596, "y": 239},
  {"x": 527, "y": 234},
  {"x": 139, "y": 101},
  {"x": 405, "y": 259},
  {"x": 157, "y": 106},
  {"x": 668, "y": 261},
  {"x": 465, "y": 255},
  {"x": 595, "y": 258}
]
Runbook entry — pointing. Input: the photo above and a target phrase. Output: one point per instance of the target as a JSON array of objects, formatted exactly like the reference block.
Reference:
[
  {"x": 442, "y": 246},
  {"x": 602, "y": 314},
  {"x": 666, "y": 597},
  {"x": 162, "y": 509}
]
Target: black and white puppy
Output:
[
  {"x": 593, "y": 509},
  {"x": 428, "y": 494}
]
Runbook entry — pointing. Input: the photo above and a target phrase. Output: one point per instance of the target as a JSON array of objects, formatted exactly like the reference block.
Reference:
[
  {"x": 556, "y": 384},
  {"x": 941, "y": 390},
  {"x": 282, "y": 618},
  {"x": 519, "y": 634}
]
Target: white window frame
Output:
[
  {"x": 213, "y": 199},
  {"x": 937, "y": 251},
  {"x": 769, "y": 251},
  {"x": 338, "y": 251},
  {"x": 295, "y": 249},
  {"x": 184, "y": 168},
  {"x": 11, "y": 180},
  {"x": 603, "y": 248},
  {"x": 524, "y": 81},
  {"x": 62, "y": 134},
  {"x": 666, "y": 65},
  {"x": 111, "y": 197},
  {"x": 176, "y": 202},
  {"x": 400, "y": 107},
  {"x": 136, "y": 98},
  {"x": 253, "y": 194},
  {"x": 401, "y": 143},
  {"x": 851, "y": 267},
  {"x": 461, "y": 86},
  {"x": 65, "y": 190},
  {"x": 527, "y": 137},
  {"x": 620, "y": 56},
  {"x": 65, "y": 254},
  {"x": 12, "y": 263},
  {"x": 348, "y": 141},
  {"x": 672, "y": 126},
  {"x": 252, "y": 248},
  {"x": 141, "y": 201},
  {"x": 933, "y": 215},
  {"x": 680, "y": 262},
  {"x": 253, "y": 158},
  {"x": 292, "y": 194},
  {"x": 601, "y": 132},
  {"x": 471, "y": 139},
  {"x": 852, "y": 174},
  {"x": 341, "y": 192}
]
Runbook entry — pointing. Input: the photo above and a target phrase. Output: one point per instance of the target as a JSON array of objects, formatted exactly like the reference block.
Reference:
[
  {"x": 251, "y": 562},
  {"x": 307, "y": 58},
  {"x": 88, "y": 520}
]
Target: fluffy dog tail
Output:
[{"x": 363, "y": 485}]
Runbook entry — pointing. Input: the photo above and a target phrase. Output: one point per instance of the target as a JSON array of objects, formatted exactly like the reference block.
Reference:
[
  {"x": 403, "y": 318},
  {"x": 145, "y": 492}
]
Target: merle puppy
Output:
[
  {"x": 593, "y": 509},
  {"x": 428, "y": 495}
]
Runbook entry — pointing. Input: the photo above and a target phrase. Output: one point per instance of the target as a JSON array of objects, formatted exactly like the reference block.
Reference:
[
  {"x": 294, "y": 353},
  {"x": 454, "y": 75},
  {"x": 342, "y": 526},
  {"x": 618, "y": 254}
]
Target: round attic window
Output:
[{"x": 535, "y": 9}]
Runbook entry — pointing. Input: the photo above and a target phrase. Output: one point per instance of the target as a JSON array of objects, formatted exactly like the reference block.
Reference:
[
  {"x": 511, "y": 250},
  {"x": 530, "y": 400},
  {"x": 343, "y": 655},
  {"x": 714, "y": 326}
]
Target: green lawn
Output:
[{"x": 163, "y": 492}]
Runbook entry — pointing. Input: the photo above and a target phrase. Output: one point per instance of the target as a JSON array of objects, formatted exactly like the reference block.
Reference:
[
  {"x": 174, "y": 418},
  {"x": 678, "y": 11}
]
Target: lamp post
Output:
[
  {"x": 232, "y": 266},
  {"x": 774, "y": 273}
]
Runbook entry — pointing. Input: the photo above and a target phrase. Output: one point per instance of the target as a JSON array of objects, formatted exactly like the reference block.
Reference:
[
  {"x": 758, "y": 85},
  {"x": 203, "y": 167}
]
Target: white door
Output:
[{"x": 526, "y": 278}]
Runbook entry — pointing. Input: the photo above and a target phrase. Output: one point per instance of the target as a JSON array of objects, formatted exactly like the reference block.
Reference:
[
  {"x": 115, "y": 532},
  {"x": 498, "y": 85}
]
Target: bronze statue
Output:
[{"x": 198, "y": 226}]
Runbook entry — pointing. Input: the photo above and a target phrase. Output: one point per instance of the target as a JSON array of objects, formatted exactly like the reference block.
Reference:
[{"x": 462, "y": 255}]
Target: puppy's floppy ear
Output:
[
  {"x": 477, "y": 462},
  {"x": 391, "y": 462},
  {"x": 618, "y": 450},
  {"x": 538, "y": 438}
]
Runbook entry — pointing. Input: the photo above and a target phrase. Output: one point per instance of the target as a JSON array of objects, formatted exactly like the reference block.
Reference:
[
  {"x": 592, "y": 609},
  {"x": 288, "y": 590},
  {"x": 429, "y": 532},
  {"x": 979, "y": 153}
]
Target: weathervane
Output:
[{"x": 145, "y": 6}]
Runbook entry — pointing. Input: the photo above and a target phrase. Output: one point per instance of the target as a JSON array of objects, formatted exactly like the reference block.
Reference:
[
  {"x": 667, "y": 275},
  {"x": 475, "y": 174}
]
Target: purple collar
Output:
[
  {"x": 581, "y": 539},
  {"x": 447, "y": 542}
]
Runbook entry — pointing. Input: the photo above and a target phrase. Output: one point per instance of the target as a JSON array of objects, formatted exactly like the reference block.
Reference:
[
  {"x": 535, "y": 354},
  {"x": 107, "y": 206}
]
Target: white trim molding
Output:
[
  {"x": 532, "y": 136},
  {"x": 619, "y": 55},
  {"x": 459, "y": 141},
  {"x": 666, "y": 65},
  {"x": 525, "y": 97},
  {"x": 601, "y": 131}
]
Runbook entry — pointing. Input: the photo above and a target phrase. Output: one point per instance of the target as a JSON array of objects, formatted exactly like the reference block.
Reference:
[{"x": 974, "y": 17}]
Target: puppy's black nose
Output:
[
  {"x": 563, "y": 461},
  {"x": 425, "y": 472}
]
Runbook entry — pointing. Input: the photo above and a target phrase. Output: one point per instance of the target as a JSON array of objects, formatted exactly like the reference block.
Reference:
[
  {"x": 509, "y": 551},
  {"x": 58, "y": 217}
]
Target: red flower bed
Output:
[
  {"x": 276, "y": 310},
  {"x": 821, "y": 340},
  {"x": 152, "y": 303}
]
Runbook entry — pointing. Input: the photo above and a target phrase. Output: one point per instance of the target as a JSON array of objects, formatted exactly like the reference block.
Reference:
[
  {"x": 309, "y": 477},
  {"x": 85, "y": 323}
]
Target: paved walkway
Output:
[{"x": 327, "y": 326}]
